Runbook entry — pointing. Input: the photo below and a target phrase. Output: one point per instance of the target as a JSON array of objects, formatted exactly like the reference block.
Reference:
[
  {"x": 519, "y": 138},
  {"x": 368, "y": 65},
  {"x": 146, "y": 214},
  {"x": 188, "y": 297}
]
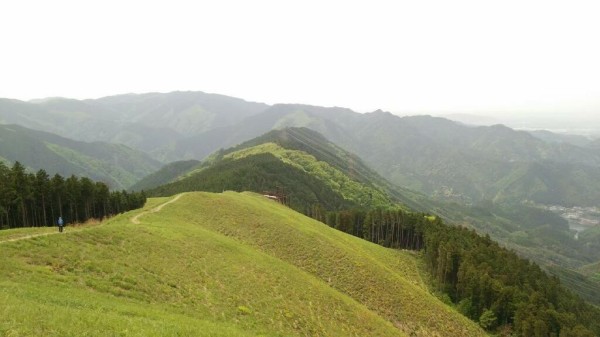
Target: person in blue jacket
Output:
[{"x": 61, "y": 224}]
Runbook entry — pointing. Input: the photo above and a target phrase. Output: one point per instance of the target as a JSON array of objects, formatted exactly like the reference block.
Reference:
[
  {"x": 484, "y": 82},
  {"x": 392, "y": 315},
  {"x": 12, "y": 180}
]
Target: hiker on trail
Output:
[{"x": 61, "y": 224}]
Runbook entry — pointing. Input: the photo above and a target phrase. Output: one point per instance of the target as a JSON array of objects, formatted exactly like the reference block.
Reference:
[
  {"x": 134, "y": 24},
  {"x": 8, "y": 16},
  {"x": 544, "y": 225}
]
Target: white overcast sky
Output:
[{"x": 485, "y": 57}]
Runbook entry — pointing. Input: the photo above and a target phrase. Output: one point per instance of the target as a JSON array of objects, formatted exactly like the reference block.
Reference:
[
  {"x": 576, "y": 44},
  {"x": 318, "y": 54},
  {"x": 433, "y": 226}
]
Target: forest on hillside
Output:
[
  {"x": 484, "y": 281},
  {"x": 36, "y": 199},
  {"x": 260, "y": 173}
]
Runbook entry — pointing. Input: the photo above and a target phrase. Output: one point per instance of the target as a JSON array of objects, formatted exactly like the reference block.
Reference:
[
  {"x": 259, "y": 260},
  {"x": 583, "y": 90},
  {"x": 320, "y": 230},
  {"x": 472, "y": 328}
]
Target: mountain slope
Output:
[
  {"x": 278, "y": 116},
  {"x": 185, "y": 112},
  {"x": 595, "y": 145},
  {"x": 117, "y": 165},
  {"x": 312, "y": 170},
  {"x": 552, "y": 137},
  {"x": 551, "y": 183},
  {"x": 217, "y": 265},
  {"x": 436, "y": 156},
  {"x": 592, "y": 270},
  {"x": 455, "y": 162},
  {"x": 165, "y": 174},
  {"x": 145, "y": 122},
  {"x": 441, "y": 158},
  {"x": 275, "y": 161}
]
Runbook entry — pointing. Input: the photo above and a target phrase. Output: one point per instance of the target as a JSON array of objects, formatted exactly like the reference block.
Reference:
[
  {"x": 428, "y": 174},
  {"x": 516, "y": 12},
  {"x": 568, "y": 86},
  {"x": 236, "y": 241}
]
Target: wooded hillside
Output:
[{"x": 28, "y": 199}]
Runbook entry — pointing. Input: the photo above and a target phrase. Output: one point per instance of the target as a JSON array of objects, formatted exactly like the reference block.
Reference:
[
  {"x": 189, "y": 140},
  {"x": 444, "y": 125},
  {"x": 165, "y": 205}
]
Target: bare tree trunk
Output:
[
  {"x": 23, "y": 214},
  {"x": 45, "y": 217}
]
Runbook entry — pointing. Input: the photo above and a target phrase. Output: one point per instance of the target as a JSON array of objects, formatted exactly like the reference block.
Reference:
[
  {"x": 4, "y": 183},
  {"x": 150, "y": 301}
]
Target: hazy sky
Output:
[{"x": 485, "y": 57}]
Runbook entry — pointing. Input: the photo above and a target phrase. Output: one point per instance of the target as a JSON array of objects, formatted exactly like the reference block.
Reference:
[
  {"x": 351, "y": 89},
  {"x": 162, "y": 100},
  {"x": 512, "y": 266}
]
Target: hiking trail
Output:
[
  {"x": 71, "y": 229},
  {"x": 136, "y": 219},
  {"x": 28, "y": 237}
]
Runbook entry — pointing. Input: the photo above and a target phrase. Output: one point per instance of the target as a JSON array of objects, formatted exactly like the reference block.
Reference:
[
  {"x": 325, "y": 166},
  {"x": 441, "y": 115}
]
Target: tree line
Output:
[
  {"x": 36, "y": 199},
  {"x": 484, "y": 281}
]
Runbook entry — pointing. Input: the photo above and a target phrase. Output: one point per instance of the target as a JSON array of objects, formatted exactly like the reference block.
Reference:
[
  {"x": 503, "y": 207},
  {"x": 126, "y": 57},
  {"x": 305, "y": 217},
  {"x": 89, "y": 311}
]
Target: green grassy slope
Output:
[
  {"x": 363, "y": 192},
  {"x": 216, "y": 265},
  {"x": 314, "y": 143},
  {"x": 311, "y": 142}
]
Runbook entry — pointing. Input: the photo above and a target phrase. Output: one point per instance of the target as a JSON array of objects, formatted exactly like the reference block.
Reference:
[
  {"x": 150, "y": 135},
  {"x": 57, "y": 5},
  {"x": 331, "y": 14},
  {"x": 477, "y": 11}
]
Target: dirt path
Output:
[
  {"x": 136, "y": 219},
  {"x": 28, "y": 237},
  {"x": 68, "y": 229}
]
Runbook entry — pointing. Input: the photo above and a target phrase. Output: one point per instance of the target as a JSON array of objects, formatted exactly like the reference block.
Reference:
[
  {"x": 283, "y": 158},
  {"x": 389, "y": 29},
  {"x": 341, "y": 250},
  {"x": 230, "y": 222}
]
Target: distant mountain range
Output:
[
  {"x": 145, "y": 122},
  {"x": 441, "y": 158},
  {"x": 116, "y": 165}
]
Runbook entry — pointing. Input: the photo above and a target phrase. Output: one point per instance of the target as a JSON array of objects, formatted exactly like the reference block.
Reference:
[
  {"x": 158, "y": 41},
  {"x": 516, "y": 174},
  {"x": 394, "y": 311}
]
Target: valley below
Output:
[{"x": 579, "y": 218}]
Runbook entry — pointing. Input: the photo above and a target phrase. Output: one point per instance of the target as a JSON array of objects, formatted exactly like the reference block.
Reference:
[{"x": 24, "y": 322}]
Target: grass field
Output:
[{"x": 231, "y": 264}]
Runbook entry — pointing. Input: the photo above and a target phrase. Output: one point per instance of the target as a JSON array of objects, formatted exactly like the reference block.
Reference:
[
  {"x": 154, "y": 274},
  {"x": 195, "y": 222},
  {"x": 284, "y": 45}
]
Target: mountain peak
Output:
[{"x": 381, "y": 112}]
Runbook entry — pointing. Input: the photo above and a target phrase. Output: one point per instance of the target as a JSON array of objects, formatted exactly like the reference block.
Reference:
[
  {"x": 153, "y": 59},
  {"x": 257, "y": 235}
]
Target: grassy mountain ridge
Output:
[
  {"x": 309, "y": 141},
  {"x": 260, "y": 172},
  {"x": 117, "y": 165},
  {"x": 268, "y": 167},
  {"x": 202, "y": 266},
  {"x": 310, "y": 168},
  {"x": 312, "y": 142},
  {"x": 337, "y": 180}
]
